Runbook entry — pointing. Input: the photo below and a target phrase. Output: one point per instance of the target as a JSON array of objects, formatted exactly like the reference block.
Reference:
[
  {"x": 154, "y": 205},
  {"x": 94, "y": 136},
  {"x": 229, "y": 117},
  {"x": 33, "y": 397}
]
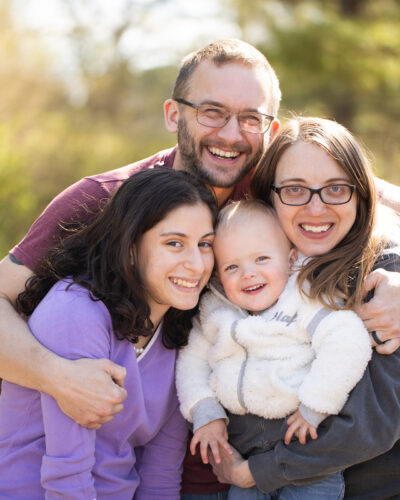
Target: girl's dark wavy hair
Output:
[{"x": 98, "y": 256}]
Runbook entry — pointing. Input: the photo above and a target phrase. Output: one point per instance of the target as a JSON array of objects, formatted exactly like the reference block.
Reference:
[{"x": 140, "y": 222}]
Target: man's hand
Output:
[
  {"x": 90, "y": 391},
  {"x": 298, "y": 426},
  {"x": 382, "y": 313},
  {"x": 232, "y": 469},
  {"x": 212, "y": 435}
]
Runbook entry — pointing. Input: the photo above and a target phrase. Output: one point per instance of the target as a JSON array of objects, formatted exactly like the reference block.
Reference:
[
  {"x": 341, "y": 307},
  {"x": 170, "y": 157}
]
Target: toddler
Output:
[{"x": 259, "y": 347}]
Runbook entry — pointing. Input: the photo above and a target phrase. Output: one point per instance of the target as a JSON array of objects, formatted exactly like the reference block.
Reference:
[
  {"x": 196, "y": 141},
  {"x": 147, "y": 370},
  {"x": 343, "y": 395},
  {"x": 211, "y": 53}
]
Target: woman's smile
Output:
[
  {"x": 316, "y": 231},
  {"x": 184, "y": 283},
  {"x": 316, "y": 227}
]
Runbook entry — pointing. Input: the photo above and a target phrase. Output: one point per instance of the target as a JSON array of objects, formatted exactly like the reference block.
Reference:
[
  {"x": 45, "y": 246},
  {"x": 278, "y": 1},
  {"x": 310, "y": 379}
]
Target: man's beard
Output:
[{"x": 194, "y": 165}]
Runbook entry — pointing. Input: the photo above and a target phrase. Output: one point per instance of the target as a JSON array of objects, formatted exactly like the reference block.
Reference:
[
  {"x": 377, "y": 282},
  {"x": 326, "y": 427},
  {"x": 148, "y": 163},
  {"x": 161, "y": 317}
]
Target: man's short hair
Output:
[{"x": 224, "y": 52}]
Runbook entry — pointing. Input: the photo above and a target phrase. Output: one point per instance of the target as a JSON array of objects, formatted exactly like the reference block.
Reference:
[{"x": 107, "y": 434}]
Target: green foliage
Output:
[
  {"x": 47, "y": 142},
  {"x": 335, "y": 58},
  {"x": 17, "y": 200},
  {"x": 44, "y": 152}
]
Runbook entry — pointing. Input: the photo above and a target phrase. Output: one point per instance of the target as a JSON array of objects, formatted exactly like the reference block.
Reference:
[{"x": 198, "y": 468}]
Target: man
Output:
[{"x": 224, "y": 107}]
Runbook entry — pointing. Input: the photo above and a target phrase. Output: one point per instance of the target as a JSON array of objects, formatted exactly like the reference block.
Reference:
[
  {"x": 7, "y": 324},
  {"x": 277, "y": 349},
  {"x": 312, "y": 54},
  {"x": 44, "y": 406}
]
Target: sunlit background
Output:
[{"x": 82, "y": 82}]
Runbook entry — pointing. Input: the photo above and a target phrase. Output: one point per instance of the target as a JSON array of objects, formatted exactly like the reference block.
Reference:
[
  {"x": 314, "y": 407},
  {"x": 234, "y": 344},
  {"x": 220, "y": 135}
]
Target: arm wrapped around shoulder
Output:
[{"x": 343, "y": 349}]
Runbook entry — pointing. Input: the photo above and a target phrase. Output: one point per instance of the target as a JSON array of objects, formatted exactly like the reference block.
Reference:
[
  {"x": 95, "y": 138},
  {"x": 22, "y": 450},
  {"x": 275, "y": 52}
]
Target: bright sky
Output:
[{"x": 162, "y": 32}]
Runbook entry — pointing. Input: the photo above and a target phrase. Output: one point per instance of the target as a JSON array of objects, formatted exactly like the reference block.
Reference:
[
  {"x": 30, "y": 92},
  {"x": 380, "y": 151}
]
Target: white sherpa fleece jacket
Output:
[{"x": 297, "y": 354}]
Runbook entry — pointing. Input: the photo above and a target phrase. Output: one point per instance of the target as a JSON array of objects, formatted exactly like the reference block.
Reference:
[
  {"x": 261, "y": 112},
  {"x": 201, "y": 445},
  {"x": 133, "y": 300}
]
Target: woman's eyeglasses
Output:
[{"x": 334, "y": 194}]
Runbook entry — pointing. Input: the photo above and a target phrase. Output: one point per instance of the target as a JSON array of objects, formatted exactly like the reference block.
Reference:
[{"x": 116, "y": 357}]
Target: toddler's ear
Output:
[{"x": 292, "y": 257}]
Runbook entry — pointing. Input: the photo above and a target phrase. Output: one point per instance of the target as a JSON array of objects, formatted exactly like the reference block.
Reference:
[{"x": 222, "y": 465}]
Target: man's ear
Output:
[
  {"x": 171, "y": 115},
  {"x": 274, "y": 129},
  {"x": 292, "y": 257}
]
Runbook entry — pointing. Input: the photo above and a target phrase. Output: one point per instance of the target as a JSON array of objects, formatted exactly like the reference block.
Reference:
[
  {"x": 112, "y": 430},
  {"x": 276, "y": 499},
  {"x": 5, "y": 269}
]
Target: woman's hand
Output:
[
  {"x": 211, "y": 436},
  {"x": 232, "y": 469},
  {"x": 298, "y": 426},
  {"x": 382, "y": 313}
]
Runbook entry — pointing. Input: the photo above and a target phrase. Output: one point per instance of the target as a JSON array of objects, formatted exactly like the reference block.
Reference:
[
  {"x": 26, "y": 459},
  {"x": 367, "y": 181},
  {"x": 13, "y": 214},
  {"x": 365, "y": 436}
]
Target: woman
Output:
[
  {"x": 122, "y": 288},
  {"x": 319, "y": 182}
]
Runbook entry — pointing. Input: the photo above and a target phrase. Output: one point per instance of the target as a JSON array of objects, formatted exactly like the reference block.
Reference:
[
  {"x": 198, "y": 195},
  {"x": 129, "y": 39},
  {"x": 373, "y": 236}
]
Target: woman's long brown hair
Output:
[{"x": 341, "y": 272}]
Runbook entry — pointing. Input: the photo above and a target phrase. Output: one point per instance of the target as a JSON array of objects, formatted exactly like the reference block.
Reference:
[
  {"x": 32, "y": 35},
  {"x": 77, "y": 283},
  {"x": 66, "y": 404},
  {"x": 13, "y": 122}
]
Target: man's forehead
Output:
[{"x": 232, "y": 84}]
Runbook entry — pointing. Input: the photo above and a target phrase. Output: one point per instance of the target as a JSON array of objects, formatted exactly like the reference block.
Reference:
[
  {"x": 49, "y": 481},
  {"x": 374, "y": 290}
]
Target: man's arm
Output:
[
  {"x": 382, "y": 313},
  {"x": 388, "y": 194},
  {"x": 88, "y": 391}
]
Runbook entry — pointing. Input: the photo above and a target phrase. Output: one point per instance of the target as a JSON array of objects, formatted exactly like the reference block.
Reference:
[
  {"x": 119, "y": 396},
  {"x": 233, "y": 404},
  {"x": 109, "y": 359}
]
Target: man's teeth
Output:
[
  {"x": 316, "y": 229},
  {"x": 187, "y": 284},
  {"x": 223, "y": 154}
]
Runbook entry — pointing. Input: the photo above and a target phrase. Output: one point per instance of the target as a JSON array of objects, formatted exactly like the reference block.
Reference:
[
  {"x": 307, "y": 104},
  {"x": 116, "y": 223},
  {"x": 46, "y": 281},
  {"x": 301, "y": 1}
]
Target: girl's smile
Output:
[{"x": 175, "y": 259}]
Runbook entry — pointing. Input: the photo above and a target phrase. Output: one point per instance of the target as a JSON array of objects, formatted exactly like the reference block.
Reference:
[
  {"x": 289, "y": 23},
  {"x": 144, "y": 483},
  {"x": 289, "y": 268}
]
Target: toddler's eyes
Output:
[
  {"x": 262, "y": 258},
  {"x": 231, "y": 267}
]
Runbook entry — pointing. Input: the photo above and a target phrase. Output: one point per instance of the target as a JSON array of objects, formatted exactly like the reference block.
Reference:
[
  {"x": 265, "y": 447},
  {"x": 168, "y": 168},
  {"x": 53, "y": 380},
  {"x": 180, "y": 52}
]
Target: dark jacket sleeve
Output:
[{"x": 368, "y": 426}]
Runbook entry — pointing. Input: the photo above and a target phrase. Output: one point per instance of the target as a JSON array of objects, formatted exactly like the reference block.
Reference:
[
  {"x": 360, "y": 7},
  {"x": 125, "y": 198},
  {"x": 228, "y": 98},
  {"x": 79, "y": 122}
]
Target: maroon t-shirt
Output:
[{"x": 80, "y": 202}]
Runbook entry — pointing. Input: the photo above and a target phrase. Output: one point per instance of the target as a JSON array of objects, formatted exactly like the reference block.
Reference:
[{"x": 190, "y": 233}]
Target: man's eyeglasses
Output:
[
  {"x": 334, "y": 194},
  {"x": 217, "y": 117}
]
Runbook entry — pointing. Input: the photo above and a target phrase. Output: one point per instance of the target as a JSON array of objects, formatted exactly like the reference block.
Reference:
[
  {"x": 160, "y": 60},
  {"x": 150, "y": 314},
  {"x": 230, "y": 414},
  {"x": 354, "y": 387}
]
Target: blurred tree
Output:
[
  {"x": 48, "y": 140},
  {"x": 25, "y": 97},
  {"x": 335, "y": 58},
  {"x": 338, "y": 59}
]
